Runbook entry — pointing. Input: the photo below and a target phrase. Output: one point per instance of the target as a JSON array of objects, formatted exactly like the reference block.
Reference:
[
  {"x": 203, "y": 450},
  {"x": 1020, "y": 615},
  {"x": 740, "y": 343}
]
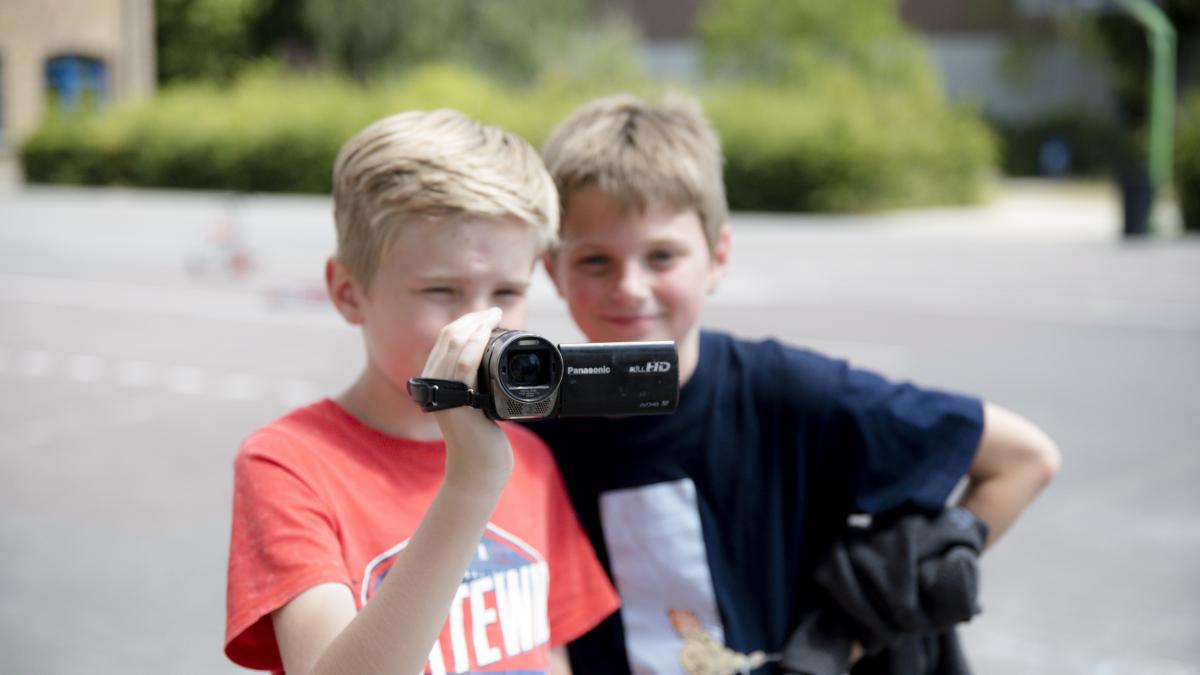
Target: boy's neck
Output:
[
  {"x": 375, "y": 402},
  {"x": 689, "y": 355}
]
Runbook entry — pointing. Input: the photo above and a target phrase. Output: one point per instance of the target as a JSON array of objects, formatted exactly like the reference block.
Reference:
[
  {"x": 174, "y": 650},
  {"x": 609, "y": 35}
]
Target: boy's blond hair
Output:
[
  {"x": 639, "y": 153},
  {"x": 439, "y": 163}
]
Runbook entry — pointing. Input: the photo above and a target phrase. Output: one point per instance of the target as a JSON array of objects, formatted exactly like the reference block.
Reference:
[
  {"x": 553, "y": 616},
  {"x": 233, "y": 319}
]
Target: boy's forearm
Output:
[
  {"x": 998, "y": 502},
  {"x": 1015, "y": 460},
  {"x": 395, "y": 631}
]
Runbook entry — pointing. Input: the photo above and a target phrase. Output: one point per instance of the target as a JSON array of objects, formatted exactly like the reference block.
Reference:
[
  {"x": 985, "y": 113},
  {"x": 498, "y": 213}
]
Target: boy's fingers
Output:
[
  {"x": 435, "y": 355},
  {"x": 462, "y": 340},
  {"x": 466, "y": 367}
]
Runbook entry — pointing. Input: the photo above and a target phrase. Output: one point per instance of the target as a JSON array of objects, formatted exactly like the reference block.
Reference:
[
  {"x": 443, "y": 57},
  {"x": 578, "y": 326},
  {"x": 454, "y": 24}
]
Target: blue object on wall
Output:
[{"x": 77, "y": 83}]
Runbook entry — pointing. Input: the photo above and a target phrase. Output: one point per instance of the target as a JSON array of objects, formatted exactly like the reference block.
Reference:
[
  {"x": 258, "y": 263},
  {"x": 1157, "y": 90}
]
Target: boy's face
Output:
[
  {"x": 436, "y": 271},
  {"x": 630, "y": 275}
]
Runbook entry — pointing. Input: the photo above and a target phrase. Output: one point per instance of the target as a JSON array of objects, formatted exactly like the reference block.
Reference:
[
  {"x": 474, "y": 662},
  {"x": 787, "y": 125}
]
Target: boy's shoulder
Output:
[
  {"x": 295, "y": 433},
  {"x": 793, "y": 381},
  {"x": 771, "y": 362}
]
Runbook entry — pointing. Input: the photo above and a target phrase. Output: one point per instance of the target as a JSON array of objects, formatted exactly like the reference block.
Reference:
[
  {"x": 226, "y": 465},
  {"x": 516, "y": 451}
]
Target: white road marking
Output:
[
  {"x": 36, "y": 363},
  {"x": 240, "y": 387},
  {"x": 85, "y": 368},
  {"x": 186, "y": 380},
  {"x": 142, "y": 374},
  {"x": 134, "y": 373}
]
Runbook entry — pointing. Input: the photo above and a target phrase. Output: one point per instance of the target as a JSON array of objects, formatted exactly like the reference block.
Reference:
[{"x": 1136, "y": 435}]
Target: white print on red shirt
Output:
[{"x": 499, "y": 612}]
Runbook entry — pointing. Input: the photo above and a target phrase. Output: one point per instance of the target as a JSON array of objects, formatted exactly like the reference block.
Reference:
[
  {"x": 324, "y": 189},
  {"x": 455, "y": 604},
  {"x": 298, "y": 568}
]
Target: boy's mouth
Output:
[{"x": 630, "y": 321}]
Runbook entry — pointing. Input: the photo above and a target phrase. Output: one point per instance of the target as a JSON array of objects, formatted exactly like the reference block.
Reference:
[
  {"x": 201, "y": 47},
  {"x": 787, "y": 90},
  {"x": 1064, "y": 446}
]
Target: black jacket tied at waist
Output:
[{"x": 898, "y": 589}]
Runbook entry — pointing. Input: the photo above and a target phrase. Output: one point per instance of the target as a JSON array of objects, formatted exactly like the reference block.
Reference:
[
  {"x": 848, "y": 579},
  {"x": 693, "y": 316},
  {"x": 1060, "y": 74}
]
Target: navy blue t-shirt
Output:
[{"x": 709, "y": 520}]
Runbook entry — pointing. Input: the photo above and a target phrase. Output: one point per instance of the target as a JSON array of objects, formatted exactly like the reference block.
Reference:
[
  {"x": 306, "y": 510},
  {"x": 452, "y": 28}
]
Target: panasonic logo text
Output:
[{"x": 597, "y": 370}]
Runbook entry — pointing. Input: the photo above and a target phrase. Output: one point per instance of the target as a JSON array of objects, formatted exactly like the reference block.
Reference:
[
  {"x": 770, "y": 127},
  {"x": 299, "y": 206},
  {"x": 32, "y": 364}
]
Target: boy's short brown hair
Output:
[
  {"x": 638, "y": 153},
  {"x": 438, "y": 163}
]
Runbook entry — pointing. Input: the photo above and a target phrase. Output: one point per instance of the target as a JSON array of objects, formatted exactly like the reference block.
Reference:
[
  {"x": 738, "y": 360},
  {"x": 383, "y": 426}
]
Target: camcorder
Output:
[{"x": 524, "y": 376}]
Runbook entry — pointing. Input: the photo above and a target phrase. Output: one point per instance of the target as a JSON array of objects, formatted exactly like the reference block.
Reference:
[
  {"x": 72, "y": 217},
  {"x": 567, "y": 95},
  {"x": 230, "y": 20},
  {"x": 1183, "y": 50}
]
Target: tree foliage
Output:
[
  {"x": 206, "y": 39},
  {"x": 796, "y": 43},
  {"x": 372, "y": 37},
  {"x": 215, "y": 40}
]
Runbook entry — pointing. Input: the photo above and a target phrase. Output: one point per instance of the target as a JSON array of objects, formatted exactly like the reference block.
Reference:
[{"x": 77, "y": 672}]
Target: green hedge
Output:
[
  {"x": 836, "y": 146},
  {"x": 1187, "y": 162},
  {"x": 845, "y": 148}
]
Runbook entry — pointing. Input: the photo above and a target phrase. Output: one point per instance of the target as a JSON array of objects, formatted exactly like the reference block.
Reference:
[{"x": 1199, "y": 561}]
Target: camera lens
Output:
[
  {"x": 525, "y": 369},
  {"x": 522, "y": 372}
]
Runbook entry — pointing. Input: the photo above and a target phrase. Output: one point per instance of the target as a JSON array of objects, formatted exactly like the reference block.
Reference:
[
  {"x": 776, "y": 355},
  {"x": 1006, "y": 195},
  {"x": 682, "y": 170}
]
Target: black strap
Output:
[{"x": 434, "y": 394}]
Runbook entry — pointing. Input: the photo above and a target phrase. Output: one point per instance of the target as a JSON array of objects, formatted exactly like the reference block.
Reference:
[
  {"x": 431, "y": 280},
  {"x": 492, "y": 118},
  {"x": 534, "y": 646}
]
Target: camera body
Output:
[{"x": 525, "y": 376}]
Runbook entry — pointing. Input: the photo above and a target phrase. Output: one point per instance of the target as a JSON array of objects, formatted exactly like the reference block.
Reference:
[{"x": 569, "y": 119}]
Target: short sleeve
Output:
[
  {"x": 908, "y": 446},
  {"x": 581, "y": 595},
  {"x": 282, "y": 543}
]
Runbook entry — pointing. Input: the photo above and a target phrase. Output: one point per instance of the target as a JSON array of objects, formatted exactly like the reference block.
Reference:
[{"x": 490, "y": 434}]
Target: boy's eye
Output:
[
  {"x": 438, "y": 290},
  {"x": 661, "y": 257},
  {"x": 592, "y": 262},
  {"x": 509, "y": 293}
]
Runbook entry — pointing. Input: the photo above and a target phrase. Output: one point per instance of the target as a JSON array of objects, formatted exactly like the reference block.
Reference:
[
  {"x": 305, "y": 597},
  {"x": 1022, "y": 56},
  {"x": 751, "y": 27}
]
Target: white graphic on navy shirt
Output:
[{"x": 659, "y": 563}]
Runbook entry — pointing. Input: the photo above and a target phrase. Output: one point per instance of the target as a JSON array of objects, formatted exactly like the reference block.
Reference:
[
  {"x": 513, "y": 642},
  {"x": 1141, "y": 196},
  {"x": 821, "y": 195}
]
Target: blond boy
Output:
[
  {"x": 721, "y": 509},
  {"x": 369, "y": 536}
]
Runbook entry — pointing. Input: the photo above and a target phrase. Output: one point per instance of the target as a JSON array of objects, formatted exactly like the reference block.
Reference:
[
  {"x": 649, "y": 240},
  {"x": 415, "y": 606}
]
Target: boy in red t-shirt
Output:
[{"x": 455, "y": 529}]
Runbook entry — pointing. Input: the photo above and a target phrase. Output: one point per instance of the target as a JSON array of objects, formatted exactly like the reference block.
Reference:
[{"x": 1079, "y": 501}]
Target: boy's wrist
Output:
[{"x": 478, "y": 455}]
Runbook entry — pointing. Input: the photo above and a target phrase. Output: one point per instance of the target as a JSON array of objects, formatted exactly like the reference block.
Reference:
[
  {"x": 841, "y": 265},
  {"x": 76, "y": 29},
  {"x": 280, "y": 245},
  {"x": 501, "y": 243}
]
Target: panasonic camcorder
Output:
[{"x": 525, "y": 376}]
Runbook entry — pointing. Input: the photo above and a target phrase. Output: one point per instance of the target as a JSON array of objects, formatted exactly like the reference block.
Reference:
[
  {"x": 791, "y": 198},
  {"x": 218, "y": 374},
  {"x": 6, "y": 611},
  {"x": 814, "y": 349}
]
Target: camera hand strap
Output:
[{"x": 433, "y": 394}]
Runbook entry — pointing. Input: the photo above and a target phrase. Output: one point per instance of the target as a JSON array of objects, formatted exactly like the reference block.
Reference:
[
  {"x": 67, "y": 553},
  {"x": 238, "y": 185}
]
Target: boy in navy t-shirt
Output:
[{"x": 709, "y": 521}]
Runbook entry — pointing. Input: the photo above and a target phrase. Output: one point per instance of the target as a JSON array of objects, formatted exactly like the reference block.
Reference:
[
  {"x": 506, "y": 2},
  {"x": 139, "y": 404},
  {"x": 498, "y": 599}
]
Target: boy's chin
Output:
[{"x": 629, "y": 336}]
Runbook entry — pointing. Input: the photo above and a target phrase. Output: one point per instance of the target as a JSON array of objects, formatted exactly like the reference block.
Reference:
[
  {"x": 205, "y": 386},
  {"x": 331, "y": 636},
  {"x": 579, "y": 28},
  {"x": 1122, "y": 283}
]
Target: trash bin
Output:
[{"x": 1137, "y": 196}]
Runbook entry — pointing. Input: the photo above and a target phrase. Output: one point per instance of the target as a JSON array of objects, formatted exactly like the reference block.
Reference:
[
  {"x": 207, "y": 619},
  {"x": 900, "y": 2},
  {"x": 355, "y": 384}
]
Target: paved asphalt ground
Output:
[{"x": 132, "y": 361}]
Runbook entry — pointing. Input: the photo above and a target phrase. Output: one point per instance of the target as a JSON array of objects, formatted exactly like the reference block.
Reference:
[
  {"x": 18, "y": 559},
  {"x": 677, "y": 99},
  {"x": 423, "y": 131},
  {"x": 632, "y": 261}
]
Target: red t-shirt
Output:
[{"x": 321, "y": 497}]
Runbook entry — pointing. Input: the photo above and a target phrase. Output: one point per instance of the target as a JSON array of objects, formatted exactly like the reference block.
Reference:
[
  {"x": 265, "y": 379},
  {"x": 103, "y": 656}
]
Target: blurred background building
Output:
[
  {"x": 982, "y": 50},
  {"x": 76, "y": 54}
]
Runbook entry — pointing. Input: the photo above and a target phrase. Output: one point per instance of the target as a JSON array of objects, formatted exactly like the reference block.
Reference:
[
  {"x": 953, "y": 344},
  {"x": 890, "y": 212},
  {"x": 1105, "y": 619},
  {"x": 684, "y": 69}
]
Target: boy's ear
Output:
[
  {"x": 343, "y": 291},
  {"x": 550, "y": 262},
  {"x": 720, "y": 257}
]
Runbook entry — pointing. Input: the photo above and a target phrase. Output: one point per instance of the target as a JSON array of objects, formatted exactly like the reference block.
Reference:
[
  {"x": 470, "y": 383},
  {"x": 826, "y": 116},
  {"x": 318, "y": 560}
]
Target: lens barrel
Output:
[{"x": 523, "y": 373}]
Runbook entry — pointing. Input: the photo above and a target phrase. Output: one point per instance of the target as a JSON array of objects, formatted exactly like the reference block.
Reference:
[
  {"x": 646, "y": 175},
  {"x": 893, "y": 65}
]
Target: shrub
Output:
[
  {"x": 846, "y": 149},
  {"x": 1187, "y": 162},
  {"x": 836, "y": 145},
  {"x": 845, "y": 111}
]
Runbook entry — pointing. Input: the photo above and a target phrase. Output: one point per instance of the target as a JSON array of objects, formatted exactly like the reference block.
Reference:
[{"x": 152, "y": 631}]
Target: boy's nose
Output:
[
  {"x": 477, "y": 304},
  {"x": 633, "y": 283}
]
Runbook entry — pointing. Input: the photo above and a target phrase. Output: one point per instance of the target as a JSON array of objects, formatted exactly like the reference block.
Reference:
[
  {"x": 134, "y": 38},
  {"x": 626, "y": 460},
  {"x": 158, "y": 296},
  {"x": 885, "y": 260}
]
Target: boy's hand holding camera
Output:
[{"x": 478, "y": 455}]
